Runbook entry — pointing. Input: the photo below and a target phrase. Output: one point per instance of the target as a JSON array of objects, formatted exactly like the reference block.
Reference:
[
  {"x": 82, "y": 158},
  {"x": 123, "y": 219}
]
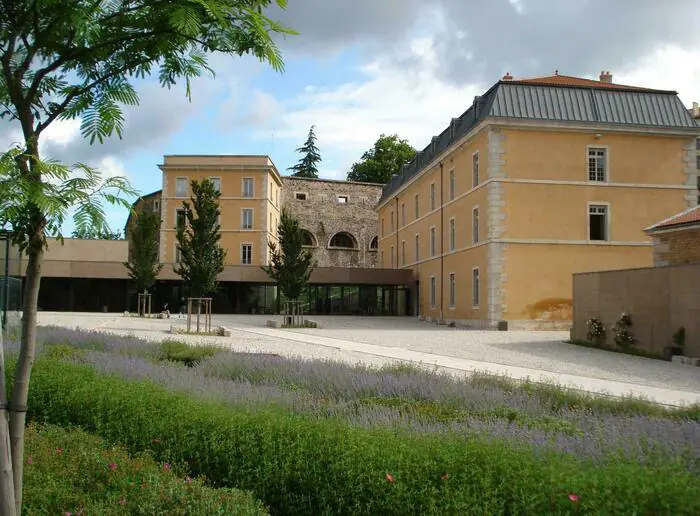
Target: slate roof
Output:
[
  {"x": 560, "y": 99},
  {"x": 689, "y": 217}
]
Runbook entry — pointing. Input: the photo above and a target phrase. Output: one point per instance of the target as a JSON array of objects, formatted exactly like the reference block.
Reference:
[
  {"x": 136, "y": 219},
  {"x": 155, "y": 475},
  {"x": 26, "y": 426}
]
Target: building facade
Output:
[
  {"x": 677, "y": 239},
  {"x": 537, "y": 180}
]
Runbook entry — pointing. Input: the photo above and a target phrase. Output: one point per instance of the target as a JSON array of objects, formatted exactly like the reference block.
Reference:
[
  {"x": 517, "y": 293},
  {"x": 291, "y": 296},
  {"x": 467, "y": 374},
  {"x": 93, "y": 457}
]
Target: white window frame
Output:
[
  {"x": 432, "y": 197},
  {"x": 416, "y": 207},
  {"x": 452, "y": 237},
  {"x": 215, "y": 180},
  {"x": 595, "y": 204},
  {"x": 606, "y": 162},
  {"x": 245, "y": 180},
  {"x": 476, "y": 287},
  {"x": 252, "y": 219},
  {"x": 452, "y": 186},
  {"x": 433, "y": 242},
  {"x": 433, "y": 292},
  {"x": 476, "y": 169},
  {"x": 417, "y": 247},
  {"x": 476, "y": 221},
  {"x": 243, "y": 245},
  {"x": 187, "y": 184},
  {"x": 452, "y": 287},
  {"x": 342, "y": 199},
  {"x": 403, "y": 252}
]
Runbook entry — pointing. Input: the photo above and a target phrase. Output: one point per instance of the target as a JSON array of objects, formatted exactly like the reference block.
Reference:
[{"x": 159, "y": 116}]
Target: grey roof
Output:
[{"x": 560, "y": 103}]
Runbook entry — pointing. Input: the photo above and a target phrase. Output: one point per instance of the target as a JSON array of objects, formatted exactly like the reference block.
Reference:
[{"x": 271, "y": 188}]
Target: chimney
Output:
[
  {"x": 453, "y": 127},
  {"x": 507, "y": 77},
  {"x": 605, "y": 77},
  {"x": 696, "y": 110}
]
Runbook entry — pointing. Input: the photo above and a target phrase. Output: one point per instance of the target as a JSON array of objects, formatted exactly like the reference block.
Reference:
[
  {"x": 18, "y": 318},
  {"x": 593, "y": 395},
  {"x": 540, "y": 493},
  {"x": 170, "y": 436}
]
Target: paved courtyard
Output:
[{"x": 539, "y": 355}]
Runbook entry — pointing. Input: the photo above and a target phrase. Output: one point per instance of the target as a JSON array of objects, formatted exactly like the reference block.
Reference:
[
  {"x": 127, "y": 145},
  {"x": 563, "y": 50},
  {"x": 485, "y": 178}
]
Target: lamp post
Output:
[{"x": 5, "y": 237}]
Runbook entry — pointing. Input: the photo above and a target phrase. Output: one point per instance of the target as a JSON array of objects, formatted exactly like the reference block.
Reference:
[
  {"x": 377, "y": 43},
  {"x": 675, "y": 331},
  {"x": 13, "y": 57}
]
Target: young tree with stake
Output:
[
  {"x": 69, "y": 59},
  {"x": 144, "y": 264}
]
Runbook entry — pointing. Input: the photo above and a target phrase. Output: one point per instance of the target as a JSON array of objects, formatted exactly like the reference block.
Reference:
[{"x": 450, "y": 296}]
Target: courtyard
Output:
[{"x": 541, "y": 356}]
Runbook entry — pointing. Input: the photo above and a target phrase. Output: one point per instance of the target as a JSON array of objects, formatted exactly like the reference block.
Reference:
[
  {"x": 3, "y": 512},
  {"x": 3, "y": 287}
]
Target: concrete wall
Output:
[
  {"x": 323, "y": 216},
  {"x": 678, "y": 246},
  {"x": 660, "y": 300}
]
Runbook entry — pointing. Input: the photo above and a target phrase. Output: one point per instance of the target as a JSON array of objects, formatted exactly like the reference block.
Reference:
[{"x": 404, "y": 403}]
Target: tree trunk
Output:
[
  {"x": 20, "y": 393},
  {"x": 7, "y": 490}
]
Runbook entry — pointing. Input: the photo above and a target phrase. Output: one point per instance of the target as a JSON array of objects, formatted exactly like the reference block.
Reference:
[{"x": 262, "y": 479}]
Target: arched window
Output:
[
  {"x": 307, "y": 239},
  {"x": 374, "y": 244},
  {"x": 343, "y": 240}
]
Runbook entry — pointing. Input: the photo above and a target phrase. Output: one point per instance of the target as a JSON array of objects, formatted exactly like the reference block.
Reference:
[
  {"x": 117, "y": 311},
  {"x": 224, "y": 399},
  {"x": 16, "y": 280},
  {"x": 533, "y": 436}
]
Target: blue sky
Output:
[{"x": 362, "y": 68}]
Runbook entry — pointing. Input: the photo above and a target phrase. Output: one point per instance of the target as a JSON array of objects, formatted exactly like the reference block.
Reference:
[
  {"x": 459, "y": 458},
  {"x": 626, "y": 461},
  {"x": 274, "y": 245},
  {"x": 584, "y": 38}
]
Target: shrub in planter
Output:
[{"x": 678, "y": 345}]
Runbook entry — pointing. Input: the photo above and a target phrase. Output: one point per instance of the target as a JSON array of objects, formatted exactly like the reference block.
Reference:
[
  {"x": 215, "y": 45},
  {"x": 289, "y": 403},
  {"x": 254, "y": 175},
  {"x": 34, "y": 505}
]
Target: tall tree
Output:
[
  {"x": 307, "y": 166},
  {"x": 96, "y": 234},
  {"x": 383, "y": 160},
  {"x": 71, "y": 59},
  {"x": 144, "y": 265},
  {"x": 292, "y": 263},
  {"x": 201, "y": 255}
]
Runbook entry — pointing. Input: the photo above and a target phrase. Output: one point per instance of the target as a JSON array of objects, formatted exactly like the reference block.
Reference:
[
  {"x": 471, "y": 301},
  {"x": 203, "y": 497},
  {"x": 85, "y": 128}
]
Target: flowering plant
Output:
[
  {"x": 596, "y": 330},
  {"x": 623, "y": 336}
]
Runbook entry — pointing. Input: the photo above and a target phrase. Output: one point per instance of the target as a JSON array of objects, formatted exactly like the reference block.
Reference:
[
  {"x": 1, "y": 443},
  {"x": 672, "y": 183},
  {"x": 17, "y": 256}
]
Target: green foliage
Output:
[
  {"x": 69, "y": 471},
  {"x": 187, "y": 354},
  {"x": 292, "y": 263},
  {"x": 679, "y": 338},
  {"x": 308, "y": 164},
  {"x": 93, "y": 234},
  {"x": 201, "y": 255},
  {"x": 623, "y": 336},
  {"x": 383, "y": 160},
  {"x": 144, "y": 263},
  {"x": 62, "y": 189},
  {"x": 298, "y": 465}
]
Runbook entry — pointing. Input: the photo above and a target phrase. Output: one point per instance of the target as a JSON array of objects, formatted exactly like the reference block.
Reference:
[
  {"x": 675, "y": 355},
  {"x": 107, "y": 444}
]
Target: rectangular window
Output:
[
  {"x": 432, "y": 196},
  {"x": 178, "y": 254},
  {"x": 597, "y": 165},
  {"x": 216, "y": 181},
  {"x": 403, "y": 252},
  {"x": 475, "y": 169},
  {"x": 475, "y": 225},
  {"x": 697, "y": 161},
  {"x": 453, "y": 291},
  {"x": 697, "y": 144},
  {"x": 248, "y": 186},
  {"x": 417, "y": 249},
  {"x": 381, "y": 258},
  {"x": 432, "y": 241},
  {"x": 403, "y": 214},
  {"x": 452, "y": 185},
  {"x": 180, "y": 219},
  {"x": 181, "y": 187},
  {"x": 382, "y": 227},
  {"x": 475, "y": 288},
  {"x": 391, "y": 220},
  {"x": 391, "y": 257},
  {"x": 246, "y": 254},
  {"x": 415, "y": 207},
  {"x": 597, "y": 222},
  {"x": 247, "y": 218},
  {"x": 432, "y": 292},
  {"x": 343, "y": 199},
  {"x": 452, "y": 234},
  {"x": 156, "y": 206}
]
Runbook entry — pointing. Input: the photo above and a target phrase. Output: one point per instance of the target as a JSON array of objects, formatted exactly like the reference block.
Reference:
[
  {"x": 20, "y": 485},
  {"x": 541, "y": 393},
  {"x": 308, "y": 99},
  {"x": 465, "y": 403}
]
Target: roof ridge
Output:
[{"x": 672, "y": 217}]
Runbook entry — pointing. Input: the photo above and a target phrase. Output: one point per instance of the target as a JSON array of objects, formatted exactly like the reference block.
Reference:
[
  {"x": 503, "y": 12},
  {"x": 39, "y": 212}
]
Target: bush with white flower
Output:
[
  {"x": 623, "y": 335},
  {"x": 596, "y": 330}
]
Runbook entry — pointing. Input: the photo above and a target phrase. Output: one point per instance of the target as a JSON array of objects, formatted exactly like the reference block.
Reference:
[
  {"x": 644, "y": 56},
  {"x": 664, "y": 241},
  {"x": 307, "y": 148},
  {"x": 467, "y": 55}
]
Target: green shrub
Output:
[
  {"x": 69, "y": 471},
  {"x": 187, "y": 354},
  {"x": 298, "y": 465}
]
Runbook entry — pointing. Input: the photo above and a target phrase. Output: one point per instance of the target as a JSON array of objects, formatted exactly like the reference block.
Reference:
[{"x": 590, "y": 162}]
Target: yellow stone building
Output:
[{"x": 539, "y": 179}]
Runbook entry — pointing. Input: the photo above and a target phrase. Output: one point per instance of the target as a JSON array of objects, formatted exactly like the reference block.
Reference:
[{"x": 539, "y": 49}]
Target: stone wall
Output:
[
  {"x": 324, "y": 215},
  {"x": 677, "y": 247}
]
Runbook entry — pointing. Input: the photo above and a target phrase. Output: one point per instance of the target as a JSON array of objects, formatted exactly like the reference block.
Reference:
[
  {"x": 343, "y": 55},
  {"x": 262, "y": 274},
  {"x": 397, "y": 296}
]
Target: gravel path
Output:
[{"x": 381, "y": 340}]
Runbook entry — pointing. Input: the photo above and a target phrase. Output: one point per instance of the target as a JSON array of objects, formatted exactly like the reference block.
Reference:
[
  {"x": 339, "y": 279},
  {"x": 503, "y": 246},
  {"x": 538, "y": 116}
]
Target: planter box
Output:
[{"x": 680, "y": 359}]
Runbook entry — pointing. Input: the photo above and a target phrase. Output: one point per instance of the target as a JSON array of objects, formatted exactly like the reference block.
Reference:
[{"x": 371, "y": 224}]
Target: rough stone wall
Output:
[
  {"x": 677, "y": 247},
  {"x": 323, "y": 216}
]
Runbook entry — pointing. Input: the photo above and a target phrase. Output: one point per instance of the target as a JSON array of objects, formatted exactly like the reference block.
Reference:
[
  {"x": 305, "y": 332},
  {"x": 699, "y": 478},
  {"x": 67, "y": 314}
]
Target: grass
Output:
[
  {"x": 187, "y": 354},
  {"x": 69, "y": 471}
]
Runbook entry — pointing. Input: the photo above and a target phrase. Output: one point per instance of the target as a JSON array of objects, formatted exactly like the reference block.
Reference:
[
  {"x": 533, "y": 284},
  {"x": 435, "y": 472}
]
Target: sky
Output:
[{"x": 361, "y": 68}]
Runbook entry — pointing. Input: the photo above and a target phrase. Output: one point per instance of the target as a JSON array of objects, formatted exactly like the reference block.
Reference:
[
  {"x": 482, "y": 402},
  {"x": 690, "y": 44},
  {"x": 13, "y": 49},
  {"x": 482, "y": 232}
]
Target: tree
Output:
[
  {"x": 70, "y": 59},
  {"x": 144, "y": 265},
  {"x": 95, "y": 234},
  {"x": 307, "y": 164},
  {"x": 383, "y": 160},
  {"x": 201, "y": 255},
  {"x": 292, "y": 263},
  {"x": 60, "y": 190}
]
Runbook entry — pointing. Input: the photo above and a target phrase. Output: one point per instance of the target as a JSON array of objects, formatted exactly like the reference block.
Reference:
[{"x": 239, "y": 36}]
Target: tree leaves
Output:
[
  {"x": 307, "y": 166},
  {"x": 384, "y": 159},
  {"x": 144, "y": 263}
]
